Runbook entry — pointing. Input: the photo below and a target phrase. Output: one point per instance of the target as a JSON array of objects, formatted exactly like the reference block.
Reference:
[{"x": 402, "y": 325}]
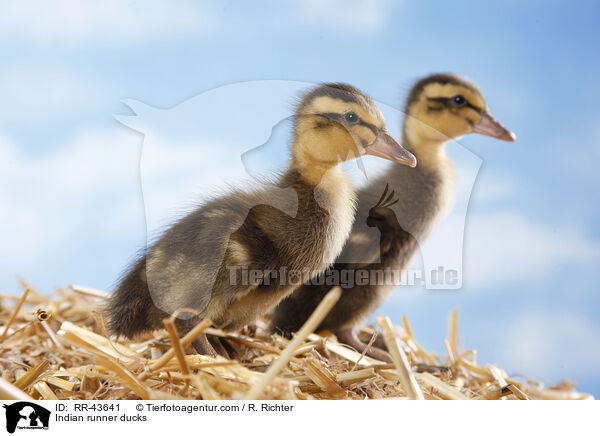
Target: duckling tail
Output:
[{"x": 130, "y": 310}]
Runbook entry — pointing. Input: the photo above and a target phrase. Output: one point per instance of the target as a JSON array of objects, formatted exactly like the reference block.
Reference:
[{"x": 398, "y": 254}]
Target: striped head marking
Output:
[
  {"x": 337, "y": 122},
  {"x": 449, "y": 106}
]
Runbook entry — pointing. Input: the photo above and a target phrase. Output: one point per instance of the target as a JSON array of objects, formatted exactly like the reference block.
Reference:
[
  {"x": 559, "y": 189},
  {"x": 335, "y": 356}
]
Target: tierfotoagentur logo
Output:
[
  {"x": 345, "y": 278},
  {"x": 24, "y": 415},
  {"x": 197, "y": 134}
]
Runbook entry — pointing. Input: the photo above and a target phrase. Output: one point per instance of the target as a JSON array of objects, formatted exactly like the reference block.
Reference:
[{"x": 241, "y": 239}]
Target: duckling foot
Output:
[
  {"x": 348, "y": 337},
  {"x": 202, "y": 346}
]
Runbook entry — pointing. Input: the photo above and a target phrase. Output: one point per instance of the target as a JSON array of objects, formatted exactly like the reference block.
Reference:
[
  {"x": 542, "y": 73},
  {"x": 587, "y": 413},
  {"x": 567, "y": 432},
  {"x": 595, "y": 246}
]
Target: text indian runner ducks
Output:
[
  {"x": 440, "y": 107},
  {"x": 197, "y": 264}
]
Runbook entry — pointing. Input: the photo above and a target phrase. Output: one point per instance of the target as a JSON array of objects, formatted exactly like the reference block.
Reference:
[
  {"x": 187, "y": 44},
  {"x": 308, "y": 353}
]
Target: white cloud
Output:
[
  {"x": 503, "y": 246},
  {"x": 506, "y": 246},
  {"x": 78, "y": 213},
  {"x": 555, "y": 345},
  {"x": 581, "y": 160},
  {"x": 42, "y": 197},
  {"x": 491, "y": 188},
  {"x": 358, "y": 15},
  {"x": 40, "y": 94},
  {"x": 74, "y": 21},
  {"x": 47, "y": 200},
  {"x": 178, "y": 176}
]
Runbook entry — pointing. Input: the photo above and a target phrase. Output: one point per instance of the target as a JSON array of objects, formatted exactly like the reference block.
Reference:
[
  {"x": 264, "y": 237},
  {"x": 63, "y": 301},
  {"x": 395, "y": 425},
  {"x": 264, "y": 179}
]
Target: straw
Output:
[
  {"x": 14, "y": 314},
  {"x": 91, "y": 292},
  {"x": 453, "y": 334},
  {"x": 8, "y": 391},
  {"x": 309, "y": 326},
  {"x": 444, "y": 390},
  {"x": 185, "y": 341},
  {"x": 400, "y": 360},
  {"x": 32, "y": 375},
  {"x": 44, "y": 390},
  {"x": 59, "y": 349},
  {"x": 177, "y": 347}
]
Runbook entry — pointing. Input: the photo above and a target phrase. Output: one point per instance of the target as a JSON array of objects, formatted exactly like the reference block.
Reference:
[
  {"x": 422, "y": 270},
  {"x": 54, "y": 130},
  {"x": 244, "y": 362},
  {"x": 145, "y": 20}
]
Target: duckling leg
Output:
[
  {"x": 218, "y": 346},
  {"x": 202, "y": 346},
  {"x": 433, "y": 369},
  {"x": 348, "y": 337}
]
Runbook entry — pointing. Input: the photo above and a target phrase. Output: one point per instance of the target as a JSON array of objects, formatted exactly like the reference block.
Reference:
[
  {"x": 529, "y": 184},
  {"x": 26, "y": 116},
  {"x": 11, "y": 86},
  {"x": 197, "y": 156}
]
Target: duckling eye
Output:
[
  {"x": 351, "y": 118},
  {"x": 459, "y": 101}
]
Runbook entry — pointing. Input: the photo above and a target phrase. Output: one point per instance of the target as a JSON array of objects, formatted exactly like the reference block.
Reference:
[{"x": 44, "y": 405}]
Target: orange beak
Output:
[
  {"x": 386, "y": 147},
  {"x": 490, "y": 126}
]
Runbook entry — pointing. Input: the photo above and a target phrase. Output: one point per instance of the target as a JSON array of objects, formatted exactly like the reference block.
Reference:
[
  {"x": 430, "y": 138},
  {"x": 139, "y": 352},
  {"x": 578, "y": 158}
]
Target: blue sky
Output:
[{"x": 72, "y": 209}]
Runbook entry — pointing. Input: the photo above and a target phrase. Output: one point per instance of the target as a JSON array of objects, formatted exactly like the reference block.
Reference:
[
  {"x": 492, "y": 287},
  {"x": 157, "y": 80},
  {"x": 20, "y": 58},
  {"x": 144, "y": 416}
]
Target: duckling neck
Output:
[
  {"x": 432, "y": 182},
  {"x": 313, "y": 170},
  {"x": 430, "y": 153},
  {"x": 329, "y": 192},
  {"x": 326, "y": 181}
]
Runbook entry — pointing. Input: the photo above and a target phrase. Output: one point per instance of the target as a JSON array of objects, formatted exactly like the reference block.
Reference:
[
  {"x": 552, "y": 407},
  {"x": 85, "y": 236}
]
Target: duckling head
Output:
[
  {"x": 336, "y": 122},
  {"x": 444, "y": 106}
]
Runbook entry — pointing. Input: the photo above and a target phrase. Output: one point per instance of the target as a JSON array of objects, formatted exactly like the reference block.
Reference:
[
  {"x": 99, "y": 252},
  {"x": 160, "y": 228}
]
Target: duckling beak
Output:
[
  {"x": 490, "y": 126},
  {"x": 386, "y": 147}
]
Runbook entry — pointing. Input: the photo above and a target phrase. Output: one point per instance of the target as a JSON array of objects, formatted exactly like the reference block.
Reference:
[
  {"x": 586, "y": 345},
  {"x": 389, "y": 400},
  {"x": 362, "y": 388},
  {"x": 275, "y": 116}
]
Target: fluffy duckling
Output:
[
  {"x": 198, "y": 263},
  {"x": 440, "y": 107}
]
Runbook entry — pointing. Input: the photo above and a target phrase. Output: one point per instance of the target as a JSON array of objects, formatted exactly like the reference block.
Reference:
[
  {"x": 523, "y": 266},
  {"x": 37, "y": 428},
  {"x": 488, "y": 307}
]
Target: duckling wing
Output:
[{"x": 188, "y": 265}]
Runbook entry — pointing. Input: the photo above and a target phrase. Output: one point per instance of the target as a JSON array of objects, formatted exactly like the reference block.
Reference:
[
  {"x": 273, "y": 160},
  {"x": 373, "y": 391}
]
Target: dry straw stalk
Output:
[{"x": 56, "y": 347}]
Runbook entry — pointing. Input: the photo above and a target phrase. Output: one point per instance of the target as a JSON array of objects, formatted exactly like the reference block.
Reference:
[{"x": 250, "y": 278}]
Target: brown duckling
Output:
[
  {"x": 198, "y": 264},
  {"x": 440, "y": 107}
]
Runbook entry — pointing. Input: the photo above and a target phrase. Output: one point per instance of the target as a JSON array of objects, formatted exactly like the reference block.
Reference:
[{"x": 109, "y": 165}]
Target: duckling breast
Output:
[{"x": 335, "y": 196}]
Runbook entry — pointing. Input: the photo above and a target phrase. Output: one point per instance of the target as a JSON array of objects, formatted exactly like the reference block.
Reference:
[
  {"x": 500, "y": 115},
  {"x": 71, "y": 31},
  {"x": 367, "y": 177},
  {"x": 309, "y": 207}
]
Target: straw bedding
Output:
[{"x": 56, "y": 347}]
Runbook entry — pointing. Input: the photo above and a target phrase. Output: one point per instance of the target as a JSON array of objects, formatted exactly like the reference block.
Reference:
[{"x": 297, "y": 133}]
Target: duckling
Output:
[
  {"x": 440, "y": 107},
  {"x": 198, "y": 263}
]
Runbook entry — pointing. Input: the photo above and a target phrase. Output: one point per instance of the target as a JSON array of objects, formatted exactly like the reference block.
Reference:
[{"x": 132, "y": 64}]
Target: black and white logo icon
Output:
[{"x": 26, "y": 415}]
